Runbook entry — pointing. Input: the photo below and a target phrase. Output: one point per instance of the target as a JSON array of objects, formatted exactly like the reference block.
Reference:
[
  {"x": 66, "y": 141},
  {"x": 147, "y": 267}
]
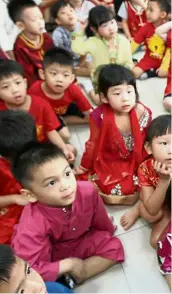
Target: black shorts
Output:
[{"x": 72, "y": 110}]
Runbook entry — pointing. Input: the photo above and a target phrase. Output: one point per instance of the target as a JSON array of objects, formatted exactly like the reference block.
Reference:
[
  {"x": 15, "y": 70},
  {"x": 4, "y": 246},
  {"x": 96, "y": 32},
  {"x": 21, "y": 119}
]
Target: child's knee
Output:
[
  {"x": 137, "y": 71},
  {"x": 167, "y": 103},
  {"x": 64, "y": 133}
]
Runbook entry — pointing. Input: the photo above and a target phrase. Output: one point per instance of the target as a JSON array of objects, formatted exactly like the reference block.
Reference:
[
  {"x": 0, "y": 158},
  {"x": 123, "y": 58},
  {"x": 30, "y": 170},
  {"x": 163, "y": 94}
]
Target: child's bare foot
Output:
[{"x": 130, "y": 217}]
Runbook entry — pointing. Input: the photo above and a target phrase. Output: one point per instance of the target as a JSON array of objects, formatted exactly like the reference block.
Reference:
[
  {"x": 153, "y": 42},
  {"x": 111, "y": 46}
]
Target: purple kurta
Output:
[{"x": 46, "y": 235}]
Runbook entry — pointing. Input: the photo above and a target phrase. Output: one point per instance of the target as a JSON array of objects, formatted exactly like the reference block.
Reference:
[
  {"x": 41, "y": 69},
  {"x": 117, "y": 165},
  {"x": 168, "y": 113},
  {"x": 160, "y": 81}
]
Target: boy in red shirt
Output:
[
  {"x": 31, "y": 44},
  {"x": 155, "y": 61},
  {"x": 17, "y": 128},
  {"x": 66, "y": 98},
  {"x": 13, "y": 93}
]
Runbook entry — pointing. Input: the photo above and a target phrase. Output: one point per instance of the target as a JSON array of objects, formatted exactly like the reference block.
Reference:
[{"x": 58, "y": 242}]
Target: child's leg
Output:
[
  {"x": 169, "y": 280},
  {"x": 147, "y": 216},
  {"x": 75, "y": 116},
  {"x": 130, "y": 217},
  {"x": 137, "y": 71},
  {"x": 167, "y": 102}
]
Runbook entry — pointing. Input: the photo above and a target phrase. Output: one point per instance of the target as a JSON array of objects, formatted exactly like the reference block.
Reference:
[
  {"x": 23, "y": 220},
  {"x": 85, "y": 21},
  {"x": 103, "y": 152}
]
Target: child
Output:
[
  {"x": 154, "y": 178},
  {"x": 133, "y": 18},
  {"x": 164, "y": 245},
  {"x": 17, "y": 128},
  {"x": 60, "y": 91},
  {"x": 117, "y": 132},
  {"x": 13, "y": 93},
  {"x": 31, "y": 44},
  {"x": 16, "y": 276},
  {"x": 165, "y": 32},
  {"x": 66, "y": 19},
  {"x": 107, "y": 46},
  {"x": 155, "y": 61},
  {"x": 65, "y": 229},
  {"x": 82, "y": 8}
]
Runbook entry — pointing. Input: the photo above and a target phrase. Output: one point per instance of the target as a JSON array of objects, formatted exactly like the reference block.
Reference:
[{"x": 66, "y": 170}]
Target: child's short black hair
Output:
[
  {"x": 164, "y": 5},
  {"x": 33, "y": 155},
  {"x": 159, "y": 127},
  {"x": 16, "y": 8},
  {"x": 17, "y": 128},
  {"x": 9, "y": 67},
  {"x": 113, "y": 75},
  {"x": 58, "y": 55},
  {"x": 7, "y": 261},
  {"x": 99, "y": 15},
  {"x": 57, "y": 6}
]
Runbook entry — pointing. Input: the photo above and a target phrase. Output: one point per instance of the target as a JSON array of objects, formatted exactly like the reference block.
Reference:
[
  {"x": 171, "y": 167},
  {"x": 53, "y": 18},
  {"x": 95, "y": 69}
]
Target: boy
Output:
[
  {"x": 31, "y": 44},
  {"x": 13, "y": 93},
  {"x": 60, "y": 91},
  {"x": 16, "y": 276},
  {"x": 17, "y": 128},
  {"x": 155, "y": 61},
  {"x": 66, "y": 19},
  {"x": 65, "y": 229}
]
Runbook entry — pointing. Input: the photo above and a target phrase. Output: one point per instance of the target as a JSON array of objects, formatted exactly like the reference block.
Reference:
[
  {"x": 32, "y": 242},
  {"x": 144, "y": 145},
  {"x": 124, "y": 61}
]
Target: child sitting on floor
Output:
[
  {"x": 82, "y": 8},
  {"x": 117, "y": 133},
  {"x": 107, "y": 46},
  {"x": 31, "y": 44},
  {"x": 16, "y": 276},
  {"x": 17, "y": 128},
  {"x": 65, "y": 229},
  {"x": 66, "y": 98},
  {"x": 13, "y": 94},
  {"x": 133, "y": 18},
  {"x": 165, "y": 32},
  {"x": 154, "y": 178},
  {"x": 155, "y": 61}
]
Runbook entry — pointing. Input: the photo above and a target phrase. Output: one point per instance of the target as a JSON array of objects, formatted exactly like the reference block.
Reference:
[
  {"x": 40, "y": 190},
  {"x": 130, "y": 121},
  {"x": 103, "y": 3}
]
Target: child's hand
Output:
[
  {"x": 77, "y": 269},
  {"x": 21, "y": 200},
  {"x": 79, "y": 170},
  {"x": 161, "y": 73},
  {"x": 69, "y": 154},
  {"x": 163, "y": 171}
]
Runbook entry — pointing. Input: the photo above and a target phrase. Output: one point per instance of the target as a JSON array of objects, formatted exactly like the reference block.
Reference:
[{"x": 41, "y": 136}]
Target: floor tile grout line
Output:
[{"x": 126, "y": 279}]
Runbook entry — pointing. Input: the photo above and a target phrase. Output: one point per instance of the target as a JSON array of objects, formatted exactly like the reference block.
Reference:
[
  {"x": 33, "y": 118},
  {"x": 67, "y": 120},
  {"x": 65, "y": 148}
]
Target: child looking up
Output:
[
  {"x": 17, "y": 128},
  {"x": 107, "y": 46},
  {"x": 16, "y": 276},
  {"x": 154, "y": 178},
  {"x": 57, "y": 87},
  {"x": 156, "y": 60},
  {"x": 119, "y": 125},
  {"x": 65, "y": 228},
  {"x": 13, "y": 93},
  {"x": 31, "y": 44}
]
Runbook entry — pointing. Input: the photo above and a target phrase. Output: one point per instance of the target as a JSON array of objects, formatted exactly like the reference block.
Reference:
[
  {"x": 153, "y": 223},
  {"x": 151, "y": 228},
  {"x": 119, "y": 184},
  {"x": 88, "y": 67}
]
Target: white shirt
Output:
[{"x": 83, "y": 11}]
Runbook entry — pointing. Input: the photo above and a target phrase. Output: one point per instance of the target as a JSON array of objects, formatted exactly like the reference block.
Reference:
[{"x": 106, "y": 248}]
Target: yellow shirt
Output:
[{"x": 101, "y": 53}]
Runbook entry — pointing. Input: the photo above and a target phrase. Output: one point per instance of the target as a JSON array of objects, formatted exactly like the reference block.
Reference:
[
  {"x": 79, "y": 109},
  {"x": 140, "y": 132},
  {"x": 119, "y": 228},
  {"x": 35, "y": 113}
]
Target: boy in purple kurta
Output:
[{"x": 65, "y": 229}]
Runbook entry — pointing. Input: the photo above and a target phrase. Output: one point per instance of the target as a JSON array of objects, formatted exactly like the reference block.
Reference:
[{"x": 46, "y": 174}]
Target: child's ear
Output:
[
  {"x": 163, "y": 14},
  {"x": 57, "y": 21},
  {"x": 28, "y": 195},
  {"x": 20, "y": 25},
  {"x": 73, "y": 78},
  {"x": 26, "y": 82},
  {"x": 41, "y": 74},
  {"x": 148, "y": 148},
  {"x": 103, "y": 98}
]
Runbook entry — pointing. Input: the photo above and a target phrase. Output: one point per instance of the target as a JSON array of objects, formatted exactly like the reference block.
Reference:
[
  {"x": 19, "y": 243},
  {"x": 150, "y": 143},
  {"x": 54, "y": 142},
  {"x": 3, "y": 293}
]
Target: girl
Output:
[
  {"x": 82, "y": 8},
  {"x": 117, "y": 132},
  {"x": 154, "y": 178},
  {"x": 107, "y": 46}
]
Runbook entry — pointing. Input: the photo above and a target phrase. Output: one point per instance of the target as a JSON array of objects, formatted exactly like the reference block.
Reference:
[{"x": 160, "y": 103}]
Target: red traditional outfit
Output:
[
  {"x": 73, "y": 94},
  {"x": 8, "y": 216},
  {"x": 135, "y": 20},
  {"x": 45, "y": 235},
  {"x": 44, "y": 116},
  {"x": 111, "y": 157},
  {"x": 31, "y": 56},
  {"x": 168, "y": 89},
  {"x": 155, "y": 47},
  {"x": 146, "y": 173}
]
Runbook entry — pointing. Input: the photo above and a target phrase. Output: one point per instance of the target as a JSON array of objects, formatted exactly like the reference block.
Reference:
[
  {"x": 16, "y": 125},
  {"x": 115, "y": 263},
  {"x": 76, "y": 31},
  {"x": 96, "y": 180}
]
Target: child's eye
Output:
[
  {"x": 22, "y": 291},
  {"x": 117, "y": 94},
  {"x": 52, "y": 183},
  {"x": 5, "y": 87},
  {"x": 18, "y": 83},
  {"x": 66, "y": 76},
  {"x": 163, "y": 143},
  {"x": 68, "y": 173},
  {"x": 53, "y": 73},
  {"x": 28, "y": 270}
]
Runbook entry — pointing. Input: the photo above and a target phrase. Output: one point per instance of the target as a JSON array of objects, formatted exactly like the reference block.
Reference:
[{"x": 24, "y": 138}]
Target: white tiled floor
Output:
[{"x": 139, "y": 273}]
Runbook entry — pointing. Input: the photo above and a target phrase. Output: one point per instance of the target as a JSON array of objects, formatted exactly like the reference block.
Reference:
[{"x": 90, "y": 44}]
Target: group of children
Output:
[{"x": 52, "y": 215}]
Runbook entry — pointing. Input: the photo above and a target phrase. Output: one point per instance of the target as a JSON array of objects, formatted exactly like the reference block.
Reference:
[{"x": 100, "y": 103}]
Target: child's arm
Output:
[
  {"x": 128, "y": 62},
  {"x": 163, "y": 30},
  {"x": 57, "y": 38},
  {"x": 163, "y": 69},
  {"x": 154, "y": 198},
  {"x": 125, "y": 27},
  {"x": 8, "y": 200}
]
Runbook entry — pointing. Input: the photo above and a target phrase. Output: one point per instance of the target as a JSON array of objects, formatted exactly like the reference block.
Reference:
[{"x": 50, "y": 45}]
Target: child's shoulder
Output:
[
  {"x": 141, "y": 109},
  {"x": 86, "y": 189},
  {"x": 38, "y": 102}
]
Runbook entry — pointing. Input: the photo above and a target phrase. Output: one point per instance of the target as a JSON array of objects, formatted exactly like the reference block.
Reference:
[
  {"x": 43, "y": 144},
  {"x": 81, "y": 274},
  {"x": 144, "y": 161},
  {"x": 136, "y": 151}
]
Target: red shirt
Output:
[
  {"x": 72, "y": 94},
  {"x": 168, "y": 41},
  {"x": 29, "y": 56},
  {"x": 8, "y": 216},
  {"x": 45, "y": 118},
  {"x": 135, "y": 22},
  {"x": 147, "y": 175},
  {"x": 155, "y": 46}
]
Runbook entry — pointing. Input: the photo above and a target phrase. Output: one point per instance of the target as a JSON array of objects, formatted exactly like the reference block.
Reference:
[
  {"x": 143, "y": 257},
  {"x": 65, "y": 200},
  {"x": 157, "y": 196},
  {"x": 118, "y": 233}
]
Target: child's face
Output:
[
  {"x": 108, "y": 29},
  {"x": 121, "y": 98},
  {"x": 13, "y": 90},
  {"x": 161, "y": 149},
  {"x": 66, "y": 17},
  {"x": 154, "y": 12},
  {"x": 23, "y": 280},
  {"x": 58, "y": 78},
  {"x": 54, "y": 183},
  {"x": 33, "y": 21}
]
